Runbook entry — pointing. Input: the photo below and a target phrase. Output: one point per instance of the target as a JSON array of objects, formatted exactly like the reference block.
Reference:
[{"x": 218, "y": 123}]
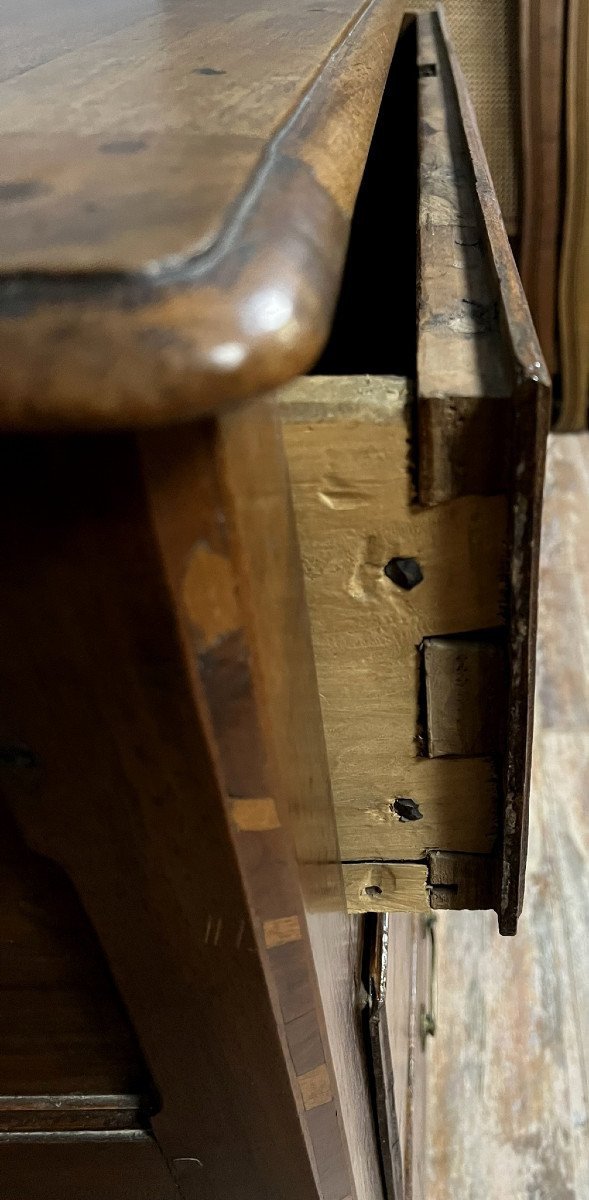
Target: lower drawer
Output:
[{"x": 418, "y": 507}]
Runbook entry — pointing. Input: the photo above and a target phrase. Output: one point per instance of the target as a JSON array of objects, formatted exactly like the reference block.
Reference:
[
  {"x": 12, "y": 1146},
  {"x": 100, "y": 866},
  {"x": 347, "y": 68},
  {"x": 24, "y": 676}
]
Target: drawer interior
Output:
[{"x": 416, "y": 458}]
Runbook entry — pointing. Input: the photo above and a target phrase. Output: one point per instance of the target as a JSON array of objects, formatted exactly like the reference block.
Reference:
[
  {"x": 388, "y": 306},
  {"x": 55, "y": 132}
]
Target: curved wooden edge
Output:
[
  {"x": 529, "y": 432},
  {"x": 182, "y": 339}
]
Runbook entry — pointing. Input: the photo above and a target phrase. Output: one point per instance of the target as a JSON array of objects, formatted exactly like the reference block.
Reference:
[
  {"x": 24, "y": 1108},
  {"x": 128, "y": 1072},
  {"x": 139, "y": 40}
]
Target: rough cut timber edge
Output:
[{"x": 530, "y": 424}]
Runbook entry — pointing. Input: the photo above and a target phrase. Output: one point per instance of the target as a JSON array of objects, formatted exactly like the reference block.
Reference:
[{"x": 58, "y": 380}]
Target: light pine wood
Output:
[
  {"x": 348, "y": 450},
  {"x": 508, "y": 1097},
  {"x": 386, "y": 887}
]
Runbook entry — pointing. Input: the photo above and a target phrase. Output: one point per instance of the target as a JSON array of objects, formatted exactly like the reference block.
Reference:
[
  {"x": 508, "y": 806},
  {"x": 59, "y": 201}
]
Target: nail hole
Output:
[
  {"x": 406, "y": 809},
  {"x": 373, "y": 890},
  {"x": 406, "y": 573}
]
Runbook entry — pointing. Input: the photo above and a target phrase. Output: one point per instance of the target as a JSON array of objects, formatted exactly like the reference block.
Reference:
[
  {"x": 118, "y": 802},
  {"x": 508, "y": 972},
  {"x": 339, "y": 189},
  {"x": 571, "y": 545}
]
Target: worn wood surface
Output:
[
  {"x": 347, "y": 441},
  {"x": 541, "y": 56},
  {"x": 416, "y": 1080},
  {"x": 460, "y": 880},
  {"x": 386, "y": 974},
  {"x": 463, "y": 361},
  {"x": 464, "y": 696},
  {"x": 181, "y": 851},
  {"x": 573, "y": 309},
  {"x": 177, "y": 185},
  {"x": 455, "y": 431},
  {"x": 508, "y": 1111},
  {"x": 386, "y": 887},
  {"x": 338, "y": 944},
  {"x": 401, "y": 928}
]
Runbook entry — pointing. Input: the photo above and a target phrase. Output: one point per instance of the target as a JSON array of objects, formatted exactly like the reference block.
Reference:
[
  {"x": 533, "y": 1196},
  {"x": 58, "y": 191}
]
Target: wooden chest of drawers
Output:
[{"x": 193, "y": 1002}]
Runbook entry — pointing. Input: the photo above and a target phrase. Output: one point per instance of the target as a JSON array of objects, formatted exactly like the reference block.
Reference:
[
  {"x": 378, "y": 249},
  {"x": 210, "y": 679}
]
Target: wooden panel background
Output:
[{"x": 508, "y": 1111}]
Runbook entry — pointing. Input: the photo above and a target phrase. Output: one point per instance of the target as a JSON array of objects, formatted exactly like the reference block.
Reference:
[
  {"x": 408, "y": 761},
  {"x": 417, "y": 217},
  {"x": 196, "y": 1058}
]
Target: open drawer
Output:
[{"x": 418, "y": 500}]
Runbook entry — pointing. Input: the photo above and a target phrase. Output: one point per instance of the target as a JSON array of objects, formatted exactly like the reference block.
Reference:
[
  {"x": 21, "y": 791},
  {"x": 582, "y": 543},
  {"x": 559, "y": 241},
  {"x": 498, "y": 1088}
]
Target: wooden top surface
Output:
[{"x": 176, "y": 183}]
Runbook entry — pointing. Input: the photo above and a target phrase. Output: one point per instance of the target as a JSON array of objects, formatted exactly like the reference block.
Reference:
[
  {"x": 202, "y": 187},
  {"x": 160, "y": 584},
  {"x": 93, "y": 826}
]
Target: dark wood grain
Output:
[
  {"x": 157, "y": 623},
  {"x": 173, "y": 238},
  {"x": 73, "y": 1166},
  {"x": 63, "y": 1030},
  {"x": 483, "y": 392},
  {"x": 541, "y": 31},
  {"x": 385, "y": 1085}
]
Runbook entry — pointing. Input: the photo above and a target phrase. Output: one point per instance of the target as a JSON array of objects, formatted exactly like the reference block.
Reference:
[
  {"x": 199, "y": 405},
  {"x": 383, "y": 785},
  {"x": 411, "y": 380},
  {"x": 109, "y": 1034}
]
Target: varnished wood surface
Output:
[
  {"x": 66, "y": 1043},
  {"x": 508, "y": 1110},
  {"x": 146, "y": 766},
  {"x": 70, "y": 1168},
  {"x": 176, "y": 185}
]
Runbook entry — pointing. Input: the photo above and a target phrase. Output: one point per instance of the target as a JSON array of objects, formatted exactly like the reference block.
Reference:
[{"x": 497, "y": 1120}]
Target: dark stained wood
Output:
[
  {"x": 139, "y": 843},
  {"x": 460, "y": 880},
  {"x": 173, "y": 238},
  {"x": 63, "y": 1030},
  {"x": 384, "y": 1083},
  {"x": 465, "y": 684},
  {"x": 541, "y": 31},
  {"x": 69, "y": 1167},
  {"x": 483, "y": 391},
  {"x": 133, "y": 620},
  {"x": 400, "y": 964}
]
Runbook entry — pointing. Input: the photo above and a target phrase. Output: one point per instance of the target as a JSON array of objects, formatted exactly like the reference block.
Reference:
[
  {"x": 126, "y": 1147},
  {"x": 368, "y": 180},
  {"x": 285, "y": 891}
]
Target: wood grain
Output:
[
  {"x": 573, "y": 302},
  {"x": 541, "y": 56},
  {"x": 464, "y": 695},
  {"x": 509, "y": 1089},
  {"x": 96, "y": 641},
  {"x": 70, "y": 1167},
  {"x": 347, "y": 442},
  {"x": 174, "y": 233},
  {"x": 63, "y": 1030},
  {"x": 385, "y": 1085},
  {"x": 416, "y": 1133},
  {"x": 386, "y": 887},
  {"x": 445, "y": 437},
  {"x": 338, "y": 946}
]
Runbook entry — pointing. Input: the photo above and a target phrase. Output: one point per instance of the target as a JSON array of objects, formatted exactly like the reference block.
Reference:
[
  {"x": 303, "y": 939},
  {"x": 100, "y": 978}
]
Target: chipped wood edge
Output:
[{"x": 398, "y": 887}]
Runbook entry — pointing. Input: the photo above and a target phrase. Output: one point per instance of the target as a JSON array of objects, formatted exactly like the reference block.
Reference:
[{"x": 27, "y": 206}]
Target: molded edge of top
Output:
[{"x": 181, "y": 340}]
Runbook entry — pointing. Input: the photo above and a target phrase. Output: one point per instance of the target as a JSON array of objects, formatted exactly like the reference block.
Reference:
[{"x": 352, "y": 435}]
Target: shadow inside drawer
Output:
[{"x": 374, "y": 329}]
